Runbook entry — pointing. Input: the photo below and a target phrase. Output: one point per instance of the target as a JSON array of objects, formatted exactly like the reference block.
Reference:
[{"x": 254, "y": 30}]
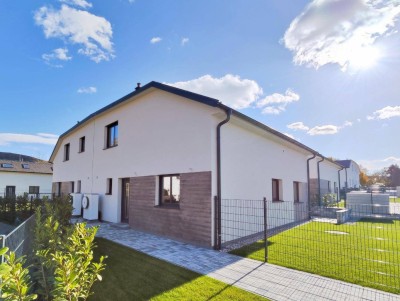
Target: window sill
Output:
[
  {"x": 81, "y": 152},
  {"x": 277, "y": 201},
  {"x": 168, "y": 206},
  {"x": 108, "y": 147},
  {"x": 108, "y": 194},
  {"x": 65, "y": 160}
]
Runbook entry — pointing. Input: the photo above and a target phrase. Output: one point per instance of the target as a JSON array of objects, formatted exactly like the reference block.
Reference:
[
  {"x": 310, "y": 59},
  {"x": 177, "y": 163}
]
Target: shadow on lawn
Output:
[{"x": 378, "y": 220}]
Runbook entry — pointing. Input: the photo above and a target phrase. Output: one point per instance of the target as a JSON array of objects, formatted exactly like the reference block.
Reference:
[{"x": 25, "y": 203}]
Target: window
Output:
[
  {"x": 72, "y": 186},
  {"x": 329, "y": 187},
  {"x": 82, "y": 141},
  {"x": 112, "y": 135},
  {"x": 170, "y": 190},
  {"x": 25, "y": 165},
  {"x": 10, "y": 191},
  {"x": 59, "y": 188},
  {"x": 78, "y": 186},
  {"x": 296, "y": 191},
  {"x": 109, "y": 186},
  {"x": 276, "y": 190},
  {"x": 66, "y": 152},
  {"x": 33, "y": 189},
  {"x": 7, "y": 165}
]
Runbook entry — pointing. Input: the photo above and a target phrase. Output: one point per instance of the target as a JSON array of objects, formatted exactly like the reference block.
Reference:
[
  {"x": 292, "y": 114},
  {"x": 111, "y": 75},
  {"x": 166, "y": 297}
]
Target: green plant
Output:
[
  {"x": 15, "y": 280},
  {"x": 329, "y": 200}
]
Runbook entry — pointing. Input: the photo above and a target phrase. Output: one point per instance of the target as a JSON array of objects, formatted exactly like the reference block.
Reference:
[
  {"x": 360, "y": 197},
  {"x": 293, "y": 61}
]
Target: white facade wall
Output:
[
  {"x": 251, "y": 158},
  {"x": 353, "y": 176},
  {"x": 159, "y": 133},
  {"x": 22, "y": 181},
  {"x": 328, "y": 171}
]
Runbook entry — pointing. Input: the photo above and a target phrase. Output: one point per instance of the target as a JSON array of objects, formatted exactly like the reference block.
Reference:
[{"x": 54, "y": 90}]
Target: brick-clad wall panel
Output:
[{"x": 190, "y": 223}]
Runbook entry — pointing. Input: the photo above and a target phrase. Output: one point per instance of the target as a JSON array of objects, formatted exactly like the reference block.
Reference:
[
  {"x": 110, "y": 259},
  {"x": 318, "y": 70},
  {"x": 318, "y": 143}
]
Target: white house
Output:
[
  {"x": 20, "y": 174},
  {"x": 324, "y": 178},
  {"x": 158, "y": 156},
  {"x": 350, "y": 174}
]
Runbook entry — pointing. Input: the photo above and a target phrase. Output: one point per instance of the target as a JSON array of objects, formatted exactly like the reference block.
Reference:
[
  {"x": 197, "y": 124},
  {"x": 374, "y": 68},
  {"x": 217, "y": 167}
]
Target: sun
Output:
[{"x": 364, "y": 57}]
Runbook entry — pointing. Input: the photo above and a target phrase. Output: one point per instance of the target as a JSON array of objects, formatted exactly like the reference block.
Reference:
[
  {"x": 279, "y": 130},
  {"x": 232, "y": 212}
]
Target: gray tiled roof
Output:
[{"x": 35, "y": 165}]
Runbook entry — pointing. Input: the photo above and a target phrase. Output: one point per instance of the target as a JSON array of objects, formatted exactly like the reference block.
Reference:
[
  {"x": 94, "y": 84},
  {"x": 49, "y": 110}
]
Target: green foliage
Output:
[
  {"x": 16, "y": 282},
  {"x": 329, "y": 200}
]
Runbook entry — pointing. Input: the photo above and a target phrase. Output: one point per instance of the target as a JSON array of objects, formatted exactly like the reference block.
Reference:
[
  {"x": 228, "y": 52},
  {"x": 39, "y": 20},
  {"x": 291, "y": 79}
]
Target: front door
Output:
[{"x": 125, "y": 201}]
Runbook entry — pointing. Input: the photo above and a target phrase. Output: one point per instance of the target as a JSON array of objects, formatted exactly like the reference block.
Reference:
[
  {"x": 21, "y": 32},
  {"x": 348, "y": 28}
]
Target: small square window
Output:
[
  {"x": 25, "y": 165},
  {"x": 109, "y": 186},
  {"x": 170, "y": 190},
  {"x": 66, "y": 151},
  {"x": 82, "y": 142},
  {"x": 33, "y": 189},
  {"x": 112, "y": 135}
]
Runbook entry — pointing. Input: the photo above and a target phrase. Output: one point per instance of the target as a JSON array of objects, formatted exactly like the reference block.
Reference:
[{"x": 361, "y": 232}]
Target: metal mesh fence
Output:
[{"x": 358, "y": 244}]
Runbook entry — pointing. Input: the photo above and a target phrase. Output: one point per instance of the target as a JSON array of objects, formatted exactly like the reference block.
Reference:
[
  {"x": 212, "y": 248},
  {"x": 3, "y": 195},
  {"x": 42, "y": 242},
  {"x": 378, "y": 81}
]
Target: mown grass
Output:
[
  {"x": 394, "y": 200},
  {"x": 368, "y": 254},
  {"x": 131, "y": 275}
]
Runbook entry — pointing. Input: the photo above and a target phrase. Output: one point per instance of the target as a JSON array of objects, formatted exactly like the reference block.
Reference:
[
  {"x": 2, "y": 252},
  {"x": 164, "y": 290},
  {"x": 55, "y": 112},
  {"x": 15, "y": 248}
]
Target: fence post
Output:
[{"x": 265, "y": 231}]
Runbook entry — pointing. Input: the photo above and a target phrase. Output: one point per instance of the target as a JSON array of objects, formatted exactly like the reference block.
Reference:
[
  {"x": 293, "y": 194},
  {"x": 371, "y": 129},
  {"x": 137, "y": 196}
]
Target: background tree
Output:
[
  {"x": 393, "y": 175},
  {"x": 364, "y": 178}
]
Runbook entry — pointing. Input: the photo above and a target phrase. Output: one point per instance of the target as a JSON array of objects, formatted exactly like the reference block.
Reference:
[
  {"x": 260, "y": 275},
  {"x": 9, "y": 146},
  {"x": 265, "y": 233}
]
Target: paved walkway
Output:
[{"x": 271, "y": 281}]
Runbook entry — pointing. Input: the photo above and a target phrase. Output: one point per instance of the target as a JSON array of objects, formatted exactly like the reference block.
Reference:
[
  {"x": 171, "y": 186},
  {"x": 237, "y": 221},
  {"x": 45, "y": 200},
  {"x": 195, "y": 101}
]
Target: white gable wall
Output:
[
  {"x": 353, "y": 176},
  {"x": 22, "y": 181},
  {"x": 159, "y": 133}
]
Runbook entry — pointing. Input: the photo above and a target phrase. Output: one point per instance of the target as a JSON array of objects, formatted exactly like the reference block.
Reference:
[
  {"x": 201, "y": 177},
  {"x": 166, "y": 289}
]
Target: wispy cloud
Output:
[
  {"x": 385, "y": 113},
  {"x": 40, "y": 138},
  {"x": 59, "y": 54},
  {"x": 375, "y": 165},
  {"x": 230, "y": 89},
  {"x": 155, "y": 40},
  {"x": 92, "y": 33},
  {"x": 184, "y": 41},
  {"x": 79, "y": 3},
  {"x": 87, "y": 90},
  {"x": 276, "y": 103},
  {"x": 298, "y": 126},
  {"x": 336, "y": 31},
  {"x": 324, "y": 130}
]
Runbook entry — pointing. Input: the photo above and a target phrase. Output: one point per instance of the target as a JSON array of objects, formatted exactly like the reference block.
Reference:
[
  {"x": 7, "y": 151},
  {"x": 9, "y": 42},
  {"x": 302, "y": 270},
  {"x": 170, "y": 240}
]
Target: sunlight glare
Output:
[{"x": 364, "y": 57}]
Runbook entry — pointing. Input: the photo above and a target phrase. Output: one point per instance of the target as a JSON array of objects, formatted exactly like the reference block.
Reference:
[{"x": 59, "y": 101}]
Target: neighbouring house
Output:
[
  {"x": 20, "y": 174},
  {"x": 159, "y": 157},
  {"x": 324, "y": 179},
  {"x": 350, "y": 174}
]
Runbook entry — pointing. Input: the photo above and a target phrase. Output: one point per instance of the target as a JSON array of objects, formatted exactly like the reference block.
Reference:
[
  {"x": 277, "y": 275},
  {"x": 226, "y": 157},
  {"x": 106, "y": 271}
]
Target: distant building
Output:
[
  {"x": 349, "y": 175},
  {"x": 21, "y": 174}
]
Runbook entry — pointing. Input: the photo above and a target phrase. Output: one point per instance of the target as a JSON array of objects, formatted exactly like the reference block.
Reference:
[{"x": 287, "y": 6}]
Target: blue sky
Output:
[{"x": 325, "y": 72}]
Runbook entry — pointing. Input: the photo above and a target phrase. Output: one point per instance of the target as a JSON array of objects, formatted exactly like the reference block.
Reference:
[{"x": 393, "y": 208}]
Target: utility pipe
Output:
[{"x": 319, "y": 181}]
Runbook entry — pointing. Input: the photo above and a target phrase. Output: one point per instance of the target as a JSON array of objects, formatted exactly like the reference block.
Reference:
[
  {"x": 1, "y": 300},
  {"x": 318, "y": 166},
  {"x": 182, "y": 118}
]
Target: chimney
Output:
[{"x": 137, "y": 87}]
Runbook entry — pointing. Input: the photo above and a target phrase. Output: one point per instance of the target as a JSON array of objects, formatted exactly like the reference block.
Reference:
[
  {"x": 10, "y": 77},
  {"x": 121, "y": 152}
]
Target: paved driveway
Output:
[{"x": 271, "y": 281}]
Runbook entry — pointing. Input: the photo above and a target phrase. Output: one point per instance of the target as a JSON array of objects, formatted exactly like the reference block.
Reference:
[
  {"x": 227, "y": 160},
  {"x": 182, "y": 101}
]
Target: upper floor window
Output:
[
  {"x": 112, "y": 135},
  {"x": 170, "y": 190},
  {"x": 82, "y": 141},
  {"x": 66, "y": 151}
]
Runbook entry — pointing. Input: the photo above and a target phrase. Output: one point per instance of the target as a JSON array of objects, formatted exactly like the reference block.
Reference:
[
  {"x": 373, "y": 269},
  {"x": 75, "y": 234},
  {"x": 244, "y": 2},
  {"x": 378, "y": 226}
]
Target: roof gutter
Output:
[
  {"x": 228, "y": 112},
  {"x": 319, "y": 181},
  {"x": 308, "y": 177}
]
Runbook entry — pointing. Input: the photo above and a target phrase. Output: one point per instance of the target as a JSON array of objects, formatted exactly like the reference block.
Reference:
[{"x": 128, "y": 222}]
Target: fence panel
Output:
[{"x": 360, "y": 244}]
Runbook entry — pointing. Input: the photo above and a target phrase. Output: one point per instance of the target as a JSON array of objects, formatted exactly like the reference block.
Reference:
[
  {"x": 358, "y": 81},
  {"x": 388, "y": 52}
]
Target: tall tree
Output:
[{"x": 393, "y": 175}]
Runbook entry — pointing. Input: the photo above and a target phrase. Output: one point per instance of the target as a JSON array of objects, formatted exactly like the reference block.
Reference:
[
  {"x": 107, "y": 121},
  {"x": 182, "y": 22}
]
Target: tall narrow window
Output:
[
  {"x": 112, "y": 135},
  {"x": 82, "y": 141},
  {"x": 66, "y": 151},
  {"x": 109, "y": 186},
  {"x": 72, "y": 187},
  {"x": 170, "y": 190},
  {"x": 296, "y": 192},
  {"x": 78, "y": 186},
  {"x": 329, "y": 187},
  {"x": 276, "y": 190}
]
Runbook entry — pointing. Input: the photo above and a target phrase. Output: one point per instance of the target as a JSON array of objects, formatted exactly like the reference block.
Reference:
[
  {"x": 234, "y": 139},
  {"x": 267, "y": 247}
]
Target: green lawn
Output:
[
  {"x": 131, "y": 275},
  {"x": 369, "y": 254},
  {"x": 394, "y": 200}
]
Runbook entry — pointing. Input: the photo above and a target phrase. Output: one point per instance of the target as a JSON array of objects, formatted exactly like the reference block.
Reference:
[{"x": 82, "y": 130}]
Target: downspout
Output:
[
  {"x": 228, "y": 117},
  {"x": 338, "y": 193},
  {"x": 308, "y": 177},
  {"x": 319, "y": 181}
]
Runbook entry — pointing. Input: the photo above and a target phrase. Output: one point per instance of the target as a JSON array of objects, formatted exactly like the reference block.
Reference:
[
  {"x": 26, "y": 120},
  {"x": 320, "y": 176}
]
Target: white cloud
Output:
[
  {"x": 347, "y": 123},
  {"x": 298, "y": 126},
  {"x": 92, "y": 33},
  {"x": 229, "y": 89},
  {"x": 57, "y": 54},
  {"x": 324, "y": 130},
  {"x": 339, "y": 31},
  {"x": 87, "y": 90},
  {"x": 281, "y": 101},
  {"x": 40, "y": 138},
  {"x": 375, "y": 165},
  {"x": 385, "y": 113},
  {"x": 155, "y": 40},
  {"x": 80, "y": 3},
  {"x": 184, "y": 41}
]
